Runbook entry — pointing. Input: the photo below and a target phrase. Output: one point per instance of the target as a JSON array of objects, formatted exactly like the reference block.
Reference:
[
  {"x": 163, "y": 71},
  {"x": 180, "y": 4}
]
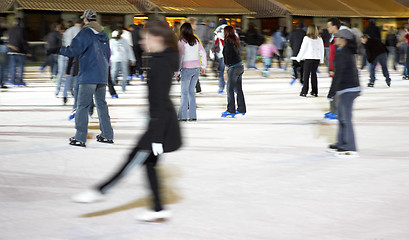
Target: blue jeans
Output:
[
  {"x": 188, "y": 80},
  {"x": 85, "y": 95},
  {"x": 235, "y": 83},
  {"x": 124, "y": 66},
  {"x": 251, "y": 55},
  {"x": 346, "y": 136},
  {"x": 16, "y": 68},
  {"x": 381, "y": 59},
  {"x": 62, "y": 67},
  {"x": 267, "y": 65},
  {"x": 222, "y": 83}
]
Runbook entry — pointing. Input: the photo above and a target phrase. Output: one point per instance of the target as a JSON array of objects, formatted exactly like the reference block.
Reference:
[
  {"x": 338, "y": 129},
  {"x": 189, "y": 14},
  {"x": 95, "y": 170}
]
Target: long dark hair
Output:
[
  {"x": 230, "y": 37},
  {"x": 119, "y": 34},
  {"x": 186, "y": 33},
  {"x": 161, "y": 29}
]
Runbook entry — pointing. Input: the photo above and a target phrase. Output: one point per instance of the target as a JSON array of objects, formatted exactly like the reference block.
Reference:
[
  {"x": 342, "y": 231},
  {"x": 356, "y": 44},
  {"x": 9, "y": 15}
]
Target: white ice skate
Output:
[
  {"x": 154, "y": 217},
  {"x": 89, "y": 196},
  {"x": 346, "y": 154}
]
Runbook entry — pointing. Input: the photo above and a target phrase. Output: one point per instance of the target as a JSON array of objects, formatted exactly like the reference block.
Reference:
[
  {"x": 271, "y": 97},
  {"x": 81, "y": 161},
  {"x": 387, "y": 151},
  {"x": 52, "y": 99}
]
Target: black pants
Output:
[
  {"x": 234, "y": 83},
  {"x": 138, "y": 157},
  {"x": 310, "y": 68},
  {"x": 298, "y": 66}
]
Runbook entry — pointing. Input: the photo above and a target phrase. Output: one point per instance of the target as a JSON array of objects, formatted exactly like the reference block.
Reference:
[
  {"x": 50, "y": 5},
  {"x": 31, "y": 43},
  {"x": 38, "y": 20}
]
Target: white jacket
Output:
[
  {"x": 311, "y": 49},
  {"x": 121, "y": 51}
]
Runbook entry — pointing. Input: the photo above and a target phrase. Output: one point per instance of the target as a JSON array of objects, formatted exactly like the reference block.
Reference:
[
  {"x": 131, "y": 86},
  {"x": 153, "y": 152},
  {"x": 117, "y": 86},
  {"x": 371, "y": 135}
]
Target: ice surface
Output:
[{"x": 265, "y": 175}]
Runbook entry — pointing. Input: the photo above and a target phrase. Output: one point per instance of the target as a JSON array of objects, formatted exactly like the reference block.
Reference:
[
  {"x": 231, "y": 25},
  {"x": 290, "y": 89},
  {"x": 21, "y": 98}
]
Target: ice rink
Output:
[{"x": 263, "y": 176}]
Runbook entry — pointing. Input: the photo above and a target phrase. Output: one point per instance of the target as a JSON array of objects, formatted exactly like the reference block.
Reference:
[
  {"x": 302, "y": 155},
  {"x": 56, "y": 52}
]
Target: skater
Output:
[
  {"x": 193, "y": 61},
  {"x": 333, "y": 26},
  {"x": 296, "y": 39},
  {"x": 121, "y": 55},
  {"x": 54, "y": 41},
  {"x": 232, "y": 59},
  {"x": 312, "y": 53},
  {"x": 376, "y": 52},
  {"x": 345, "y": 84},
  {"x": 279, "y": 42},
  {"x": 67, "y": 38},
  {"x": 253, "y": 39},
  {"x": 91, "y": 45},
  {"x": 217, "y": 51},
  {"x": 163, "y": 134},
  {"x": 193, "y": 23},
  {"x": 18, "y": 50},
  {"x": 266, "y": 51}
]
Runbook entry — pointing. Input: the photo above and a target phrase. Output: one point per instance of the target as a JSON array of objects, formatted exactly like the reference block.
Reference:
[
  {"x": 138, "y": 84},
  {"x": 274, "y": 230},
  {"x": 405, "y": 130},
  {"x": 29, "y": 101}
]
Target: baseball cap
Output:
[
  {"x": 344, "y": 33},
  {"x": 89, "y": 14}
]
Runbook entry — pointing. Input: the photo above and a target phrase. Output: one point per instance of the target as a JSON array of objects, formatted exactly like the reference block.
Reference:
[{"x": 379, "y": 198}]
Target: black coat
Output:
[
  {"x": 296, "y": 39},
  {"x": 346, "y": 72},
  {"x": 163, "y": 124},
  {"x": 17, "y": 38},
  {"x": 54, "y": 42},
  {"x": 373, "y": 31},
  {"x": 391, "y": 40},
  {"x": 254, "y": 39},
  {"x": 231, "y": 54},
  {"x": 374, "y": 47}
]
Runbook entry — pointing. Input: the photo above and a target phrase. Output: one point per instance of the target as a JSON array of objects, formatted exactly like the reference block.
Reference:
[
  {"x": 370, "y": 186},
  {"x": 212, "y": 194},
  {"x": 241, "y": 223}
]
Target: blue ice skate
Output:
[{"x": 228, "y": 114}]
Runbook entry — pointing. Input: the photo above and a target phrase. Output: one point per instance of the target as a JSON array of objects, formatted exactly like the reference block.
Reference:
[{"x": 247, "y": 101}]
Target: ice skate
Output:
[
  {"x": 240, "y": 113},
  {"x": 326, "y": 115},
  {"x": 75, "y": 142},
  {"x": 154, "y": 217},
  {"x": 72, "y": 115},
  {"x": 89, "y": 196},
  {"x": 104, "y": 140},
  {"x": 228, "y": 114},
  {"x": 332, "y": 148},
  {"x": 333, "y": 116},
  {"x": 346, "y": 154}
]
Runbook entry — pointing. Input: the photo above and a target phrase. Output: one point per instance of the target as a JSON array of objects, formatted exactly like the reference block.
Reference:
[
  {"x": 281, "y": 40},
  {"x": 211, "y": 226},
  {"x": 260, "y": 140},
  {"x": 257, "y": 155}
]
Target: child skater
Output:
[
  {"x": 266, "y": 51},
  {"x": 163, "y": 134},
  {"x": 232, "y": 59},
  {"x": 346, "y": 86}
]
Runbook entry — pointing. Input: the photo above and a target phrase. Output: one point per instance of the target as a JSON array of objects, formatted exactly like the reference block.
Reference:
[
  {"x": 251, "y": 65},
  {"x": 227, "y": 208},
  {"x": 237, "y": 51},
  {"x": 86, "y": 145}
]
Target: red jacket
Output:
[{"x": 332, "y": 51}]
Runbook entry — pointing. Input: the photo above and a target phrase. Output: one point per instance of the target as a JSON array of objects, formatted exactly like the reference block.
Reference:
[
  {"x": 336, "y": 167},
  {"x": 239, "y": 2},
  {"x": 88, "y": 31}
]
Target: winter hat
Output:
[
  {"x": 89, "y": 14},
  {"x": 344, "y": 33}
]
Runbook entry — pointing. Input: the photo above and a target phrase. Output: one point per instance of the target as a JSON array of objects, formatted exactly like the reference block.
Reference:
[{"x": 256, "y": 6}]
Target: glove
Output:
[
  {"x": 330, "y": 99},
  {"x": 157, "y": 148}
]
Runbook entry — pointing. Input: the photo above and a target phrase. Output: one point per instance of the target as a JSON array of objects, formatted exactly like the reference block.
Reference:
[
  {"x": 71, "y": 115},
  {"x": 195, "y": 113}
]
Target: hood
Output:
[
  {"x": 94, "y": 25},
  {"x": 171, "y": 56}
]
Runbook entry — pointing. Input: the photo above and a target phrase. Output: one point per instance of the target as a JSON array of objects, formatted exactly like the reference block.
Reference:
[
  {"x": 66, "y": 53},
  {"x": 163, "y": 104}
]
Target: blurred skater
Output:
[
  {"x": 346, "y": 86},
  {"x": 163, "y": 134}
]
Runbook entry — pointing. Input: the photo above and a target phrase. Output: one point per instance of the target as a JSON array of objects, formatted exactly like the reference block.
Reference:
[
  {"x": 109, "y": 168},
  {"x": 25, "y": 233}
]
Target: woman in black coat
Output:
[
  {"x": 346, "y": 86},
  {"x": 163, "y": 134}
]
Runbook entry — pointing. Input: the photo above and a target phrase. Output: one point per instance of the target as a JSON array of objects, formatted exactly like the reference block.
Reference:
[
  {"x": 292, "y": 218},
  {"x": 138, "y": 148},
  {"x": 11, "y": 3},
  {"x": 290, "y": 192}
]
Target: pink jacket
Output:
[{"x": 267, "y": 50}]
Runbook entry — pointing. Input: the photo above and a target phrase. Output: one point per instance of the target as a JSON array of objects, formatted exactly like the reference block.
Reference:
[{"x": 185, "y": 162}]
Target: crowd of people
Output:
[{"x": 85, "y": 57}]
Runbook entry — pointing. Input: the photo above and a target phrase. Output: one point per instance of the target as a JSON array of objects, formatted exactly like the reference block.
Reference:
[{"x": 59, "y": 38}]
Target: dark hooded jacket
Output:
[
  {"x": 374, "y": 47},
  {"x": 18, "y": 38},
  {"x": 296, "y": 39},
  {"x": 346, "y": 72},
  {"x": 91, "y": 45},
  {"x": 163, "y": 125}
]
